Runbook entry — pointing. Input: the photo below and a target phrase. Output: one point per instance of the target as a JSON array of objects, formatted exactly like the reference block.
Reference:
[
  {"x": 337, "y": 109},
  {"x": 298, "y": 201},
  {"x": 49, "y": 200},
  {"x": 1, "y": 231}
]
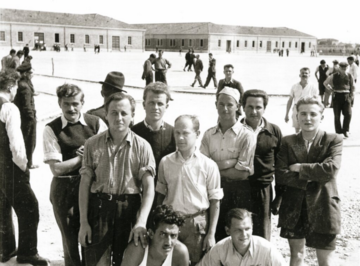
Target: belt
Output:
[
  {"x": 194, "y": 214},
  {"x": 112, "y": 197},
  {"x": 342, "y": 92},
  {"x": 68, "y": 176}
]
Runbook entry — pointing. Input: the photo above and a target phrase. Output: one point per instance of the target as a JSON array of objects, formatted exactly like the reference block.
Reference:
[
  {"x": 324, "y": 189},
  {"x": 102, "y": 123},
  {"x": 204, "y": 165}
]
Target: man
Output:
[
  {"x": 16, "y": 59},
  {"x": 342, "y": 86},
  {"x": 15, "y": 189},
  {"x": 299, "y": 90},
  {"x": 63, "y": 141},
  {"x": 307, "y": 165},
  {"x": 154, "y": 129},
  {"x": 328, "y": 96},
  {"x": 241, "y": 247},
  {"x": 268, "y": 139},
  {"x": 353, "y": 68},
  {"x": 211, "y": 71},
  {"x": 192, "y": 59},
  {"x": 7, "y": 60},
  {"x": 26, "y": 50},
  {"x": 117, "y": 186},
  {"x": 231, "y": 146},
  {"x": 148, "y": 72},
  {"x": 198, "y": 67},
  {"x": 322, "y": 69},
  {"x": 187, "y": 60},
  {"x": 163, "y": 248},
  {"x": 161, "y": 67},
  {"x": 24, "y": 100},
  {"x": 231, "y": 83},
  {"x": 114, "y": 82},
  {"x": 190, "y": 182}
]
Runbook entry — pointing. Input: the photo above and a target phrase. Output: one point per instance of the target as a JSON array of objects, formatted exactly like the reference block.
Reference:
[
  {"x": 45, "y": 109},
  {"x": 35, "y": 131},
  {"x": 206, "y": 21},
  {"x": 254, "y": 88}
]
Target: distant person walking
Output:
[
  {"x": 198, "y": 67},
  {"x": 125, "y": 48},
  {"x": 26, "y": 50},
  {"x": 322, "y": 70},
  {"x": 187, "y": 60},
  {"x": 287, "y": 52},
  {"x": 211, "y": 71},
  {"x": 161, "y": 67},
  {"x": 148, "y": 71}
]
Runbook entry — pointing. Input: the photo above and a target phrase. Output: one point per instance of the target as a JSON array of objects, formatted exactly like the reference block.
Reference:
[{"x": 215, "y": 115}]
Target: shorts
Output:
[
  {"x": 295, "y": 123},
  {"x": 321, "y": 88},
  {"x": 313, "y": 239}
]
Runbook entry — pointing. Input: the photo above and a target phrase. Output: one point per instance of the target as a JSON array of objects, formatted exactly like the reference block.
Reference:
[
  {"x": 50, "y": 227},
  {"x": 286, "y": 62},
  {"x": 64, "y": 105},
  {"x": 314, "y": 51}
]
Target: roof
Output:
[
  {"x": 211, "y": 28},
  {"x": 52, "y": 18}
]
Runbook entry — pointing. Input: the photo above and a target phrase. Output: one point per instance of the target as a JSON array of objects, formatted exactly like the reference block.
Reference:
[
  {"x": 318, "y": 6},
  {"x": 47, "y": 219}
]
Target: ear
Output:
[
  {"x": 322, "y": 117},
  {"x": 167, "y": 105},
  {"x": 227, "y": 230},
  {"x": 143, "y": 103},
  {"x": 197, "y": 133},
  {"x": 151, "y": 233},
  {"x": 102, "y": 94}
]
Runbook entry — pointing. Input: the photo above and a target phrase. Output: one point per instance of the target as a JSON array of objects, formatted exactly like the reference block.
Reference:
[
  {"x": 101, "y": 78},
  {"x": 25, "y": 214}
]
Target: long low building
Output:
[
  {"x": 210, "y": 37},
  {"x": 20, "y": 27}
]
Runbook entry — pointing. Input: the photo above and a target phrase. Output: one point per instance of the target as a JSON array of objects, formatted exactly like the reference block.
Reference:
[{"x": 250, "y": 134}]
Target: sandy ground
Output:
[{"x": 277, "y": 76}]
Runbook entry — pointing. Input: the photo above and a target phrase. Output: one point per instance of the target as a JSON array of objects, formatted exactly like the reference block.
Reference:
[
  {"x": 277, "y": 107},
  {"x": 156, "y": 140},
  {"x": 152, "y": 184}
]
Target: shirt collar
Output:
[
  {"x": 181, "y": 158},
  {"x": 250, "y": 250},
  {"x": 162, "y": 127},
  {"x": 259, "y": 128},
  {"x": 128, "y": 137},
  {"x": 235, "y": 128},
  {"x": 231, "y": 81},
  {"x": 64, "y": 122}
]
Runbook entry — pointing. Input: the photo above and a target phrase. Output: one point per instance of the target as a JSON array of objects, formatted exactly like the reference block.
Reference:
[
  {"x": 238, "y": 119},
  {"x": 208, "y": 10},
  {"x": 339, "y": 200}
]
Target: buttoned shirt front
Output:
[
  {"x": 260, "y": 253},
  {"x": 237, "y": 142},
  {"x": 117, "y": 169},
  {"x": 297, "y": 91},
  {"x": 189, "y": 185}
]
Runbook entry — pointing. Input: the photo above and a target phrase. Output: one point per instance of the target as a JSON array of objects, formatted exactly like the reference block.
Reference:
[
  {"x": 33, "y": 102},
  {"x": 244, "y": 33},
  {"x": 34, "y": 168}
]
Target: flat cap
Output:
[{"x": 343, "y": 64}]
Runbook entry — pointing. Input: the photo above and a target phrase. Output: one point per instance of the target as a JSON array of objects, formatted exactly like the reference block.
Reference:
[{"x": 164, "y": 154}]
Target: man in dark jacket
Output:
[
  {"x": 211, "y": 71},
  {"x": 148, "y": 71},
  {"x": 26, "y": 50},
  {"x": 187, "y": 60},
  {"x": 198, "y": 69}
]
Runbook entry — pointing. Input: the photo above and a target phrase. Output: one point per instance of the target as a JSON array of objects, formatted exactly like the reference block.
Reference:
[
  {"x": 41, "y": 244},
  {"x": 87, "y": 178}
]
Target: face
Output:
[
  {"x": 160, "y": 54},
  {"x": 342, "y": 69},
  {"x": 71, "y": 107},
  {"x": 185, "y": 135},
  {"x": 119, "y": 115},
  {"x": 254, "y": 109},
  {"x": 165, "y": 237},
  {"x": 226, "y": 107},
  {"x": 240, "y": 232},
  {"x": 229, "y": 71},
  {"x": 304, "y": 75},
  {"x": 309, "y": 117},
  {"x": 350, "y": 61},
  {"x": 155, "y": 106},
  {"x": 210, "y": 56}
]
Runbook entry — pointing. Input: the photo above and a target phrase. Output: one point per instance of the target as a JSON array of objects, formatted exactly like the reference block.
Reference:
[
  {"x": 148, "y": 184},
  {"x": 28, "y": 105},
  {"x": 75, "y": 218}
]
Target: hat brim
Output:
[{"x": 112, "y": 86}]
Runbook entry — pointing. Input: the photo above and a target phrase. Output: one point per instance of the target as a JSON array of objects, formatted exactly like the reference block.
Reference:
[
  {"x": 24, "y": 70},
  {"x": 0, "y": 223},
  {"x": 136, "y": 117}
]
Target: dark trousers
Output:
[
  {"x": 211, "y": 75},
  {"x": 28, "y": 129},
  {"x": 64, "y": 196},
  {"x": 160, "y": 76},
  {"x": 188, "y": 63},
  {"x": 237, "y": 194},
  {"x": 261, "y": 197},
  {"x": 16, "y": 193},
  {"x": 111, "y": 223},
  {"x": 197, "y": 78},
  {"x": 342, "y": 105},
  {"x": 149, "y": 78}
]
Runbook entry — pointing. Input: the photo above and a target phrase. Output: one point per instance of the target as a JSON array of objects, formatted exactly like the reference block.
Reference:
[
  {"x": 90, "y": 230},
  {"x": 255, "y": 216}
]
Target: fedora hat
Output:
[{"x": 115, "y": 80}]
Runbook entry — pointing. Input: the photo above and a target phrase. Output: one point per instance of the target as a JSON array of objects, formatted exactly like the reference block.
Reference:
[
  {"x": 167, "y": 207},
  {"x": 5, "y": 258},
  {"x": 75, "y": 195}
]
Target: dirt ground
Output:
[{"x": 268, "y": 72}]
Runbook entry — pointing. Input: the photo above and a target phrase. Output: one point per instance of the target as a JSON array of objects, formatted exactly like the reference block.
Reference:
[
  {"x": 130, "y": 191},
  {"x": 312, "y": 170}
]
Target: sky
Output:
[{"x": 323, "y": 19}]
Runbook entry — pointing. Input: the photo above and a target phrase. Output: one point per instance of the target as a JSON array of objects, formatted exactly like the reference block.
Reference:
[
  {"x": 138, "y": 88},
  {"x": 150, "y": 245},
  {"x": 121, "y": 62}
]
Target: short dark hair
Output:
[
  {"x": 351, "y": 58},
  {"x": 229, "y": 66},
  {"x": 305, "y": 69},
  {"x": 157, "y": 88},
  {"x": 165, "y": 214},
  {"x": 194, "y": 119},
  {"x": 210, "y": 54},
  {"x": 8, "y": 77},
  {"x": 69, "y": 90},
  {"x": 12, "y": 51},
  {"x": 152, "y": 56},
  {"x": 310, "y": 100},
  {"x": 255, "y": 93},
  {"x": 119, "y": 96},
  {"x": 20, "y": 52},
  {"x": 237, "y": 213}
]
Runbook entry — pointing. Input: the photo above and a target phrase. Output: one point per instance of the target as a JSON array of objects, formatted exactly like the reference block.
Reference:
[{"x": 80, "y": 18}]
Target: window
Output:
[
  {"x": 101, "y": 39},
  {"x": 161, "y": 42},
  {"x": 57, "y": 37},
  {"x": 72, "y": 38},
  {"x": 237, "y": 43},
  {"x": 87, "y": 39},
  {"x": 283, "y": 44},
  {"x": 253, "y": 43},
  {"x": 182, "y": 42},
  {"x": 190, "y": 42},
  {"x": 295, "y": 44},
  {"x": 289, "y": 44},
  {"x": 245, "y": 44},
  {"x": 2, "y": 36},
  {"x": 260, "y": 44},
  {"x": 219, "y": 43},
  {"x": 129, "y": 40},
  {"x": 20, "y": 36},
  {"x": 201, "y": 42},
  {"x": 171, "y": 43},
  {"x": 158, "y": 42},
  {"x": 309, "y": 44},
  {"x": 276, "y": 44},
  {"x": 147, "y": 42}
]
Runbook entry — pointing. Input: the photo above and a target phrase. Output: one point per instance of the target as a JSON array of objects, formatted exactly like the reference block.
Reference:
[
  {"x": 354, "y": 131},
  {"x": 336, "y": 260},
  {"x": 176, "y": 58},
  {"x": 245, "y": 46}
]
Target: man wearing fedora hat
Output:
[{"x": 114, "y": 82}]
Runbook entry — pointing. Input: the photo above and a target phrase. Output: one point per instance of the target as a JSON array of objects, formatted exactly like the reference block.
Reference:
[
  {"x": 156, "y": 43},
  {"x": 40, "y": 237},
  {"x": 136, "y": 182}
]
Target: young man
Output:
[
  {"x": 341, "y": 85},
  {"x": 15, "y": 63},
  {"x": 63, "y": 141},
  {"x": 154, "y": 129},
  {"x": 241, "y": 247},
  {"x": 15, "y": 189},
  {"x": 161, "y": 67},
  {"x": 163, "y": 248},
  {"x": 7, "y": 60},
  {"x": 198, "y": 67},
  {"x": 231, "y": 83},
  {"x": 187, "y": 60},
  {"x": 211, "y": 71},
  {"x": 307, "y": 165},
  {"x": 299, "y": 90},
  {"x": 322, "y": 69},
  {"x": 190, "y": 182},
  {"x": 268, "y": 139},
  {"x": 231, "y": 145},
  {"x": 353, "y": 68},
  {"x": 148, "y": 72},
  {"x": 117, "y": 186}
]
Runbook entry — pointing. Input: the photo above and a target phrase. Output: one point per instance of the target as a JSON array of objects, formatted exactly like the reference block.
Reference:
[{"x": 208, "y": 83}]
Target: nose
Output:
[{"x": 168, "y": 240}]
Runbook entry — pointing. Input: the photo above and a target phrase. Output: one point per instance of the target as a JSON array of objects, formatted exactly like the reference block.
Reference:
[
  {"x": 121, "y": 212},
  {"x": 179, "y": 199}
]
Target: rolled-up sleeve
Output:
[
  {"x": 161, "y": 185},
  {"x": 214, "y": 189},
  {"x": 87, "y": 163},
  {"x": 204, "y": 148},
  {"x": 246, "y": 154},
  {"x": 52, "y": 150},
  {"x": 147, "y": 163}
]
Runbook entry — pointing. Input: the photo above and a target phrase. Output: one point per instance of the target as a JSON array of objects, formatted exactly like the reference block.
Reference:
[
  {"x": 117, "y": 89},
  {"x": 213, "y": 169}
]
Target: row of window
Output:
[
  {"x": 173, "y": 42},
  {"x": 57, "y": 38},
  {"x": 261, "y": 44}
]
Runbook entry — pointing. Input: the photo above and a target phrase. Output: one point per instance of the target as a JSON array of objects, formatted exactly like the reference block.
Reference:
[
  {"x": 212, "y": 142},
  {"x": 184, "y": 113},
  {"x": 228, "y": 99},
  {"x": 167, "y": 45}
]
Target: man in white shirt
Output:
[
  {"x": 241, "y": 247},
  {"x": 353, "y": 68}
]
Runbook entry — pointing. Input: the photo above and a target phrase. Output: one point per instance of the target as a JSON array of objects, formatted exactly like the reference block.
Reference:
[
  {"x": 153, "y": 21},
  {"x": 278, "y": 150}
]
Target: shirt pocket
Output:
[{"x": 233, "y": 153}]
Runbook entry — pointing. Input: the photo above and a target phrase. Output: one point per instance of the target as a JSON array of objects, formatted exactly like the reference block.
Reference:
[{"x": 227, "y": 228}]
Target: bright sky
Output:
[{"x": 323, "y": 19}]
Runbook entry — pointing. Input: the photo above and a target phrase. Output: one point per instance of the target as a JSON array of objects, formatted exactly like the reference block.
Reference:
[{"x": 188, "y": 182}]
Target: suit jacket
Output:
[
  {"x": 198, "y": 66},
  {"x": 321, "y": 166},
  {"x": 212, "y": 66}
]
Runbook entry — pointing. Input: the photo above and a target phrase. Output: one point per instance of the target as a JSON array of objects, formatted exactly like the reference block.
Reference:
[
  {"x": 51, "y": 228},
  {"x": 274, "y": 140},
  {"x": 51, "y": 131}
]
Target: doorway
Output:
[
  {"x": 228, "y": 46},
  {"x": 268, "y": 46},
  {"x": 302, "y": 47},
  {"x": 116, "y": 43}
]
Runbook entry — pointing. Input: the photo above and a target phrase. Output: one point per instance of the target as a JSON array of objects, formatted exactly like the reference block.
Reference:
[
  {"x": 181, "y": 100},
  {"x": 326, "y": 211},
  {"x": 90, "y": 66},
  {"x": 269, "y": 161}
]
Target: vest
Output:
[
  {"x": 341, "y": 82},
  {"x": 322, "y": 72},
  {"x": 71, "y": 137}
]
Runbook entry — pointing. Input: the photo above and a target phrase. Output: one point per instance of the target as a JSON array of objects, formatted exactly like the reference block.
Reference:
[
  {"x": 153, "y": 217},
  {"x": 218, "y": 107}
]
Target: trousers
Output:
[
  {"x": 211, "y": 75},
  {"x": 342, "y": 105},
  {"x": 28, "y": 129},
  {"x": 197, "y": 78},
  {"x": 149, "y": 78},
  {"x": 160, "y": 76}
]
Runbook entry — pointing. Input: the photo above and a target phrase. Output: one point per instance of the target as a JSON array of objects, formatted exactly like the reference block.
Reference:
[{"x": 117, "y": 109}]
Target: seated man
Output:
[
  {"x": 163, "y": 248},
  {"x": 307, "y": 164},
  {"x": 241, "y": 247}
]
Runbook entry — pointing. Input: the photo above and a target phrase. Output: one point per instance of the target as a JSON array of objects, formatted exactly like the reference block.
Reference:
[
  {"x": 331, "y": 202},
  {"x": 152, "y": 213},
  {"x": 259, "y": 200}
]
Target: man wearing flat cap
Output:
[
  {"x": 341, "y": 84},
  {"x": 114, "y": 82},
  {"x": 231, "y": 145},
  {"x": 322, "y": 70}
]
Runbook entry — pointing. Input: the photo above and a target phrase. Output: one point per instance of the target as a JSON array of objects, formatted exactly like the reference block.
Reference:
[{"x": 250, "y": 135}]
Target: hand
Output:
[
  {"x": 85, "y": 234},
  {"x": 209, "y": 242},
  {"x": 295, "y": 167},
  {"x": 275, "y": 205},
  {"x": 80, "y": 151},
  {"x": 286, "y": 118},
  {"x": 137, "y": 232}
]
